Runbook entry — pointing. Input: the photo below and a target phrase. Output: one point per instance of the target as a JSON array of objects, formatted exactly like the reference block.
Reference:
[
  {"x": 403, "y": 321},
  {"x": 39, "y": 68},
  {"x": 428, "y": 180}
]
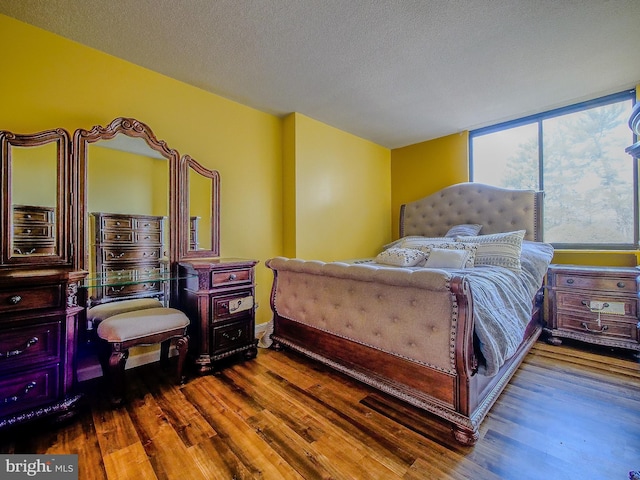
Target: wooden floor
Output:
[{"x": 567, "y": 414}]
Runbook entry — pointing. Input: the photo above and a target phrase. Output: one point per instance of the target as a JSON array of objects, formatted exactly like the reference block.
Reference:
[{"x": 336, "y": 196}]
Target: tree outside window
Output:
[{"x": 577, "y": 156}]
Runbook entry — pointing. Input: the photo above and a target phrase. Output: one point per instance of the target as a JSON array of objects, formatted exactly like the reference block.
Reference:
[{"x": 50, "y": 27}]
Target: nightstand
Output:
[
  {"x": 598, "y": 305},
  {"x": 218, "y": 295}
]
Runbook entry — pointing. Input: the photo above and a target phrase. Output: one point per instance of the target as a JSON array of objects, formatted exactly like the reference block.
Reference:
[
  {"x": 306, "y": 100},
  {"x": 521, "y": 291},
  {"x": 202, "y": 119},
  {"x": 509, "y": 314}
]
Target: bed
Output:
[{"x": 445, "y": 332}]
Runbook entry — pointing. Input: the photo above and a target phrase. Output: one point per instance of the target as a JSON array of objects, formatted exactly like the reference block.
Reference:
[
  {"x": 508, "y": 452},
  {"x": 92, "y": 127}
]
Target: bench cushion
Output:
[
  {"x": 141, "y": 323},
  {"x": 105, "y": 310}
]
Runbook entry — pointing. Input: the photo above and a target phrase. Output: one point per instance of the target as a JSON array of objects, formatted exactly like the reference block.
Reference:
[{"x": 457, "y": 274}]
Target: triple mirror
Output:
[{"x": 49, "y": 194}]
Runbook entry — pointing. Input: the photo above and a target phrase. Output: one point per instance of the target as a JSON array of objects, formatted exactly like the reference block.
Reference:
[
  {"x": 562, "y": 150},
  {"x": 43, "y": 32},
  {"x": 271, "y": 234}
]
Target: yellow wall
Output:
[
  {"x": 292, "y": 186},
  {"x": 51, "y": 82},
  {"x": 342, "y": 196},
  {"x": 34, "y": 165},
  {"x": 424, "y": 168}
]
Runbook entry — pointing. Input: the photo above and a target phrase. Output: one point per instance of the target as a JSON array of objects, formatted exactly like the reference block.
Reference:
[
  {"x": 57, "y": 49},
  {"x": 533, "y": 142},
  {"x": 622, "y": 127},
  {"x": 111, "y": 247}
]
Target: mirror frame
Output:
[
  {"x": 64, "y": 217},
  {"x": 187, "y": 163},
  {"x": 132, "y": 128}
]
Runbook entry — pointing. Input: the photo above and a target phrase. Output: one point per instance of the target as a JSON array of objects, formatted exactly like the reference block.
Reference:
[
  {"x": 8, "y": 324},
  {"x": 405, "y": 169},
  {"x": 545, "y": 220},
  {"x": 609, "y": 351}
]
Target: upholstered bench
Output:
[
  {"x": 131, "y": 328},
  {"x": 105, "y": 310}
]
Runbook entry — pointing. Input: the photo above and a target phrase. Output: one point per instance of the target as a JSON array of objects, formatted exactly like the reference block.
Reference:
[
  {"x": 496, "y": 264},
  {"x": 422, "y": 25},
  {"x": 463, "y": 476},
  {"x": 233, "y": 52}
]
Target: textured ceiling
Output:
[{"x": 396, "y": 72}]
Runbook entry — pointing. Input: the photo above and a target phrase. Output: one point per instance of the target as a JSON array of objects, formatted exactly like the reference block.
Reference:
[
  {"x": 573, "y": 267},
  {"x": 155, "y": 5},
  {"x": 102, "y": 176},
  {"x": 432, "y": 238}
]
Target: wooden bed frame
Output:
[{"x": 461, "y": 396}]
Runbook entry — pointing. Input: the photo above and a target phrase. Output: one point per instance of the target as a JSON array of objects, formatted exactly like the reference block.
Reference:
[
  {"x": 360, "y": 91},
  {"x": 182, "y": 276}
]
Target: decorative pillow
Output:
[
  {"x": 464, "y": 230},
  {"x": 401, "y": 257},
  {"x": 469, "y": 247},
  {"x": 449, "y": 258},
  {"x": 498, "y": 249},
  {"x": 417, "y": 242}
]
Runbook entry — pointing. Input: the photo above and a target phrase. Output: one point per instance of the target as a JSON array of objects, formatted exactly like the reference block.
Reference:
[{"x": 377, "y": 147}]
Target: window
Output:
[{"x": 576, "y": 155}]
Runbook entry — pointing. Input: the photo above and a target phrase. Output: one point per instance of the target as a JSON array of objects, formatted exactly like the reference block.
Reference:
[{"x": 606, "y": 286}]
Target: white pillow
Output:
[
  {"x": 449, "y": 258},
  {"x": 401, "y": 257},
  {"x": 498, "y": 249},
  {"x": 469, "y": 247}
]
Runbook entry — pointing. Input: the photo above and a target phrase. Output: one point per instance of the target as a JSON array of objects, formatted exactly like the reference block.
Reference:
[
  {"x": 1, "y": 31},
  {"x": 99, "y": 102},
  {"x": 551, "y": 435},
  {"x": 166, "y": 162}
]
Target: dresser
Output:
[
  {"x": 598, "y": 305},
  {"x": 33, "y": 230},
  {"x": 128, "y": 249},
  {"x": 38, "y": 331},
  {"x": 218, "y": 295}
]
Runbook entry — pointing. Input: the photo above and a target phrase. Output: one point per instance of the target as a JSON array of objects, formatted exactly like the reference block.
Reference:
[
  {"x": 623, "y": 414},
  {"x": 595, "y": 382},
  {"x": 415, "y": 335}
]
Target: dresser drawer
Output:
[
  {"x": 25, "y": 346},
  {"x": 117, "y": 236},
  {"x": 117, "y": 223},
  {"x": 28, "y": 389},
  {"x": 147, "y": 238},
  {"x": 578, "y": 302},
  {"x": 147, "y": 224},
  {"x": 228, "y": 306},
  {"x": 221, "y": 278},
  {"x": 32, "y": 232},
  {"x": 132, "y": 289},
  {"x": 32, "y": 215},
  {"x": 595, "y": 282},
  {"x": 115, "y": 254},
  {"x": 609, "y": 327},
  {"x": 232, "y": 335},
  {"x": 14, "y": 300}
]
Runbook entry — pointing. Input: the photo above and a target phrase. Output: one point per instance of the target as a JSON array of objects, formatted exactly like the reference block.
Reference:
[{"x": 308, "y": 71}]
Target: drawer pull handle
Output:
[
  {"x": 232, "y": 337},
  {"x": 18, "y": 251},
  {"x": 16, "y": 299},
  {"x": 112, "y": 255},
  {"x": 233, "y": 276},
  {"x": 31, "y": 342},
  {"x": 235, "y": 306},
  {"x": 603, "y": 329},
  {"x": 570, "y": 281},
  {"x": 620, "y": 284},
  {"x": 15, "y": 398},
  {"x": 587, "y": 303}
]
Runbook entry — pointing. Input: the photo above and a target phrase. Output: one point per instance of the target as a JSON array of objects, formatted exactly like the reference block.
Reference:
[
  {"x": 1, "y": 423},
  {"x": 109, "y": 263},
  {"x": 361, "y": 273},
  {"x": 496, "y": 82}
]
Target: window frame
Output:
[{"x": 538, "y": 119}]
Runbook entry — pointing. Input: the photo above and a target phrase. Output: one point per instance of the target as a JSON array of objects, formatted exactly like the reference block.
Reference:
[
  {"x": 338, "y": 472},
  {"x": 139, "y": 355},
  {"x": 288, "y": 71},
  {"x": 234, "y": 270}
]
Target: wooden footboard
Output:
[
  {"x": 460, "y": 395},
  {"x": 462, "y": 401}
]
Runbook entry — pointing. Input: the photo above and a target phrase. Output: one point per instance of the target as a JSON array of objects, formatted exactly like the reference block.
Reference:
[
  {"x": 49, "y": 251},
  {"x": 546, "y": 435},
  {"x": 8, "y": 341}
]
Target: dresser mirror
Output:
[
  {"x": 36, "y": 203},
  {"x": 200, "y": 210},
  {"x": 125, "y": 170}
]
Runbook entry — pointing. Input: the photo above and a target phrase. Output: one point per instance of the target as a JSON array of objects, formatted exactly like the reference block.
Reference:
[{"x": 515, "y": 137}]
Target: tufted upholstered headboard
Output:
[{"x": 496, "y": 209}]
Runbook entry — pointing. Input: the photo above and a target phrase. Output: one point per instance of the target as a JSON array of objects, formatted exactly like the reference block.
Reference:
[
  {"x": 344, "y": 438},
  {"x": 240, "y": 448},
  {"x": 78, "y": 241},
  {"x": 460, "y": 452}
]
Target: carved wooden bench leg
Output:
[
  {"x": 117, "y": 362},
  {"x": 182, "y": 346}
]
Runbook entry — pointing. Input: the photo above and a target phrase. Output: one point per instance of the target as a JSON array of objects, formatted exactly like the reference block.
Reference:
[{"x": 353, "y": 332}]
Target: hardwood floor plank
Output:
[
  {"x": 129, "y": 463},
  {"x": 567, "y": 413},
  {"x": 243, "y": 440}
]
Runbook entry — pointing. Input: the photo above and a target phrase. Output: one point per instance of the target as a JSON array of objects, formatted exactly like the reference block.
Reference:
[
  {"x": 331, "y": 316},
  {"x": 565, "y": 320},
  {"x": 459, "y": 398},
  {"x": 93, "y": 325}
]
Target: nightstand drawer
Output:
[
  {"x": 228, "y": 306},
  {"x": 27, "y": 389},
  {"x": 231, "y": 277},
  {"x": 608, "y": 327},
  {"x": 48, "y": 296},
  {"x": 580, "y": 302},
  {"x": 232, "y": 335},
  {"x": 595, "y": 282},
  {"x": 30, "y": 345}
]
